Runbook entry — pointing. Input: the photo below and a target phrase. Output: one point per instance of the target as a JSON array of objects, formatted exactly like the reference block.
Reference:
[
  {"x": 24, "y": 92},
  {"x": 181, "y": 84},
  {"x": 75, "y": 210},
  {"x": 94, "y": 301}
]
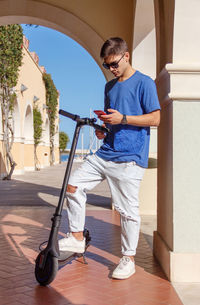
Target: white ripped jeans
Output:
[{"x": 124, "y": 181}]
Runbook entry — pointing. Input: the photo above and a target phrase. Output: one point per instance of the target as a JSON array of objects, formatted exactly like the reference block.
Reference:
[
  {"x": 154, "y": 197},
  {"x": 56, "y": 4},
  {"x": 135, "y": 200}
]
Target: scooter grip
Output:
[
  {"x": 68, "y": 114},
  {"x": 98, "y": 127}
]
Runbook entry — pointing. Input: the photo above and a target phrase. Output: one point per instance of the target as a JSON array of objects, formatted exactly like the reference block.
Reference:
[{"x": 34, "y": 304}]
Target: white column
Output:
[{"x": 177, "y": 239}]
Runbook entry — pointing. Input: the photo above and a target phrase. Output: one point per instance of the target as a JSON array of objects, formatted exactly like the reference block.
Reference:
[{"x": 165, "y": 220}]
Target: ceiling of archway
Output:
[{"x": 107, "y": 18}]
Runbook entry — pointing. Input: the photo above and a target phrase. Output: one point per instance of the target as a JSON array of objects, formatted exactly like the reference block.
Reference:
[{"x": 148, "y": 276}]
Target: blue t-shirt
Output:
[{"x": 135, "y": 96}]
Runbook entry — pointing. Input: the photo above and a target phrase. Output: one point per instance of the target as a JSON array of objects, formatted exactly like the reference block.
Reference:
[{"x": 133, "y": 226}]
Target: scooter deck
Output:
[{"x": 65, "y": 255}]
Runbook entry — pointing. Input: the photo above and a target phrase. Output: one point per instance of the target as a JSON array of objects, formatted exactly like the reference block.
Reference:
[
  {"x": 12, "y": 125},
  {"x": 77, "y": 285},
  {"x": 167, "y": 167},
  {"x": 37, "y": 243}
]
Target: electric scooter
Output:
[{"x": 47, "y": 261}]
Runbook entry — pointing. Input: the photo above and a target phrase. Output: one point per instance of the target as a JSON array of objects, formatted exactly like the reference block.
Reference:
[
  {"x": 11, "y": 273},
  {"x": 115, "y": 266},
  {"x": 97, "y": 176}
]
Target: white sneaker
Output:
[
  {"x": 125, "y": 268},
  {"x": 70, "y": 243}
]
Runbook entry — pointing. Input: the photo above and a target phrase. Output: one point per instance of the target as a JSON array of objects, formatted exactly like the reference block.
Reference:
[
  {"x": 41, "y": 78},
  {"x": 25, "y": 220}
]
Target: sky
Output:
[{"x": 75, "y": 73}]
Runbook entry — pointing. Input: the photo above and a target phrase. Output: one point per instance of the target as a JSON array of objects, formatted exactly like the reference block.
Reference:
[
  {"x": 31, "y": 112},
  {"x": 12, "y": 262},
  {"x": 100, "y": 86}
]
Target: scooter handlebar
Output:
[
  {"x": 98, "y": 127},
  {"x": 74, "y": 117},
  {"x": 84, "y": 121}
]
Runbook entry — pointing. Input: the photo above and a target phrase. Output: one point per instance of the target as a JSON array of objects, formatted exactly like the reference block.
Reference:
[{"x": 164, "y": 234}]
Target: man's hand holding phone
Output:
[
  {"x": 100, "y": 134},
  {"x": 114, "y": 117},
  {"x": 99, "y": 113}
]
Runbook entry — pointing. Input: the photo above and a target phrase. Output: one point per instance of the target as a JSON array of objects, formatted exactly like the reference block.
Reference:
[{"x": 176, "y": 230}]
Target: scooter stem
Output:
[
  {"x": 68, "y": 169},
  {"x": 52, "y": 245}
]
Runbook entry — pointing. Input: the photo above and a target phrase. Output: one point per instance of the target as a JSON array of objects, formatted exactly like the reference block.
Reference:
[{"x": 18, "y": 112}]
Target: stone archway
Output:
[
  {"x": 35, "y": 12},
  {"x": 116, "y": 22}
]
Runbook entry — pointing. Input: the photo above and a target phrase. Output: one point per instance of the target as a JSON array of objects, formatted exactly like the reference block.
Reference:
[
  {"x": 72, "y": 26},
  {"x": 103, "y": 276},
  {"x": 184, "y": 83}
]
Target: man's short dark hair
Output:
[{"x": 113, "y": 46}]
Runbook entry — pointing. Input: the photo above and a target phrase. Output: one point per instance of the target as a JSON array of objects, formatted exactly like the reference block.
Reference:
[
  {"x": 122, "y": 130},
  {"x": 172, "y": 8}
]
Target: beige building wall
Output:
[{"x": 30, "y": 91}]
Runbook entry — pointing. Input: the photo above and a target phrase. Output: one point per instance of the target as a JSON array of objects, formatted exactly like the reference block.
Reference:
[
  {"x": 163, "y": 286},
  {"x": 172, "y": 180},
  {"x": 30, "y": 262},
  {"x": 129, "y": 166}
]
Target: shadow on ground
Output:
[{"x": 20, "y": 193}]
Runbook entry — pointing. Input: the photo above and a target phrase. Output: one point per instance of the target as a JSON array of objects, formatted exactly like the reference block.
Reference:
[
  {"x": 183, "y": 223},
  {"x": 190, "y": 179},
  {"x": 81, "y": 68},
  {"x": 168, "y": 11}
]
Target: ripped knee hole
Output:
[{"x": 71, "y": 189}]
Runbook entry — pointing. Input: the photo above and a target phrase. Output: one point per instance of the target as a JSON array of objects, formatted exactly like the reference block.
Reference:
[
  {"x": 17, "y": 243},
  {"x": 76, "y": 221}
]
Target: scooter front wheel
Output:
[{"x": 46, "y": 274}]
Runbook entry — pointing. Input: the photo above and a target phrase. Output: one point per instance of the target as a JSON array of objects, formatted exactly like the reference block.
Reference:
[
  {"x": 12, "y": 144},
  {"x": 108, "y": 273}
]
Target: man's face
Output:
[{"x": 117, "y": 63}]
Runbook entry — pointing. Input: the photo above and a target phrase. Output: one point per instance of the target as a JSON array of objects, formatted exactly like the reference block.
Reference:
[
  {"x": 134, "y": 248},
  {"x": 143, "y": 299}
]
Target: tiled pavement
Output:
[{"x": 23, "y": 228}]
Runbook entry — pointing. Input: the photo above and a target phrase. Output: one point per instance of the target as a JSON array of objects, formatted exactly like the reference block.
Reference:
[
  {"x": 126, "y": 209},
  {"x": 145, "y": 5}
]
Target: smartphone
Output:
[{"x": 99, "y": 112}]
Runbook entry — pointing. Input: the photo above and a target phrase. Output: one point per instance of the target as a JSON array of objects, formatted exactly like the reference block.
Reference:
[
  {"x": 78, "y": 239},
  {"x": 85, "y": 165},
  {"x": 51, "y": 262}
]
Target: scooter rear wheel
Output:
[{"x": 46, "y": 275}]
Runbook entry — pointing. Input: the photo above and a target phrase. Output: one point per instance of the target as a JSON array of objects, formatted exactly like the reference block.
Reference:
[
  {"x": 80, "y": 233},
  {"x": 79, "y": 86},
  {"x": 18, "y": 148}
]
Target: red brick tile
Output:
[{"x": 77, "y": 283}]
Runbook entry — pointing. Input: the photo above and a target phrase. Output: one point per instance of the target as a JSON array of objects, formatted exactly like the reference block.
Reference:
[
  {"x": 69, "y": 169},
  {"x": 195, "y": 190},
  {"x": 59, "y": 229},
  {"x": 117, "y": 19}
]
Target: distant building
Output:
[{"x": 30, "y": 89}]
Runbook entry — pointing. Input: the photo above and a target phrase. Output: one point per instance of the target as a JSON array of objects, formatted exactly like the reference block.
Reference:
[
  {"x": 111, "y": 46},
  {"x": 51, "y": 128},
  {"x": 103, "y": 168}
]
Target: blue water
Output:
[{"x": 64, "y": 158}]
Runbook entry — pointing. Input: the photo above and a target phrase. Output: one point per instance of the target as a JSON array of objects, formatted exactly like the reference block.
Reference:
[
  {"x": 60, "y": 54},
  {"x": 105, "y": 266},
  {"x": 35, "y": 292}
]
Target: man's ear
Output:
[{"x": 127, "y": 56}]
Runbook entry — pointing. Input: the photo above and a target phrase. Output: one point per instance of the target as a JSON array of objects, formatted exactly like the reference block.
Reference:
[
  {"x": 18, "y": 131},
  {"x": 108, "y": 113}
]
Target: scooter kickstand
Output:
[{"x": 84, "y": 258}]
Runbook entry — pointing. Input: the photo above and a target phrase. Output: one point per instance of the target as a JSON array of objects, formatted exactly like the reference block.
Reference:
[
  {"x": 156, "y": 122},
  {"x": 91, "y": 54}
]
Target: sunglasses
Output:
[{"x": 114, "y": 64}]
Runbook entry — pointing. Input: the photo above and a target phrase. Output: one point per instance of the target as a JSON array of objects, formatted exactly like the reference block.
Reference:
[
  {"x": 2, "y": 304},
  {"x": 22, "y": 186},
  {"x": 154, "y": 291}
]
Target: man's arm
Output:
[{"x": 144, "y": 120}]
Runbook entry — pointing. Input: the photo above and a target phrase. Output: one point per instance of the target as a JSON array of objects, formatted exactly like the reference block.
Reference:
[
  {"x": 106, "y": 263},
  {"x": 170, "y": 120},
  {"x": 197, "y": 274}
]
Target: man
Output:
[{"x": 131, "y": 106}]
